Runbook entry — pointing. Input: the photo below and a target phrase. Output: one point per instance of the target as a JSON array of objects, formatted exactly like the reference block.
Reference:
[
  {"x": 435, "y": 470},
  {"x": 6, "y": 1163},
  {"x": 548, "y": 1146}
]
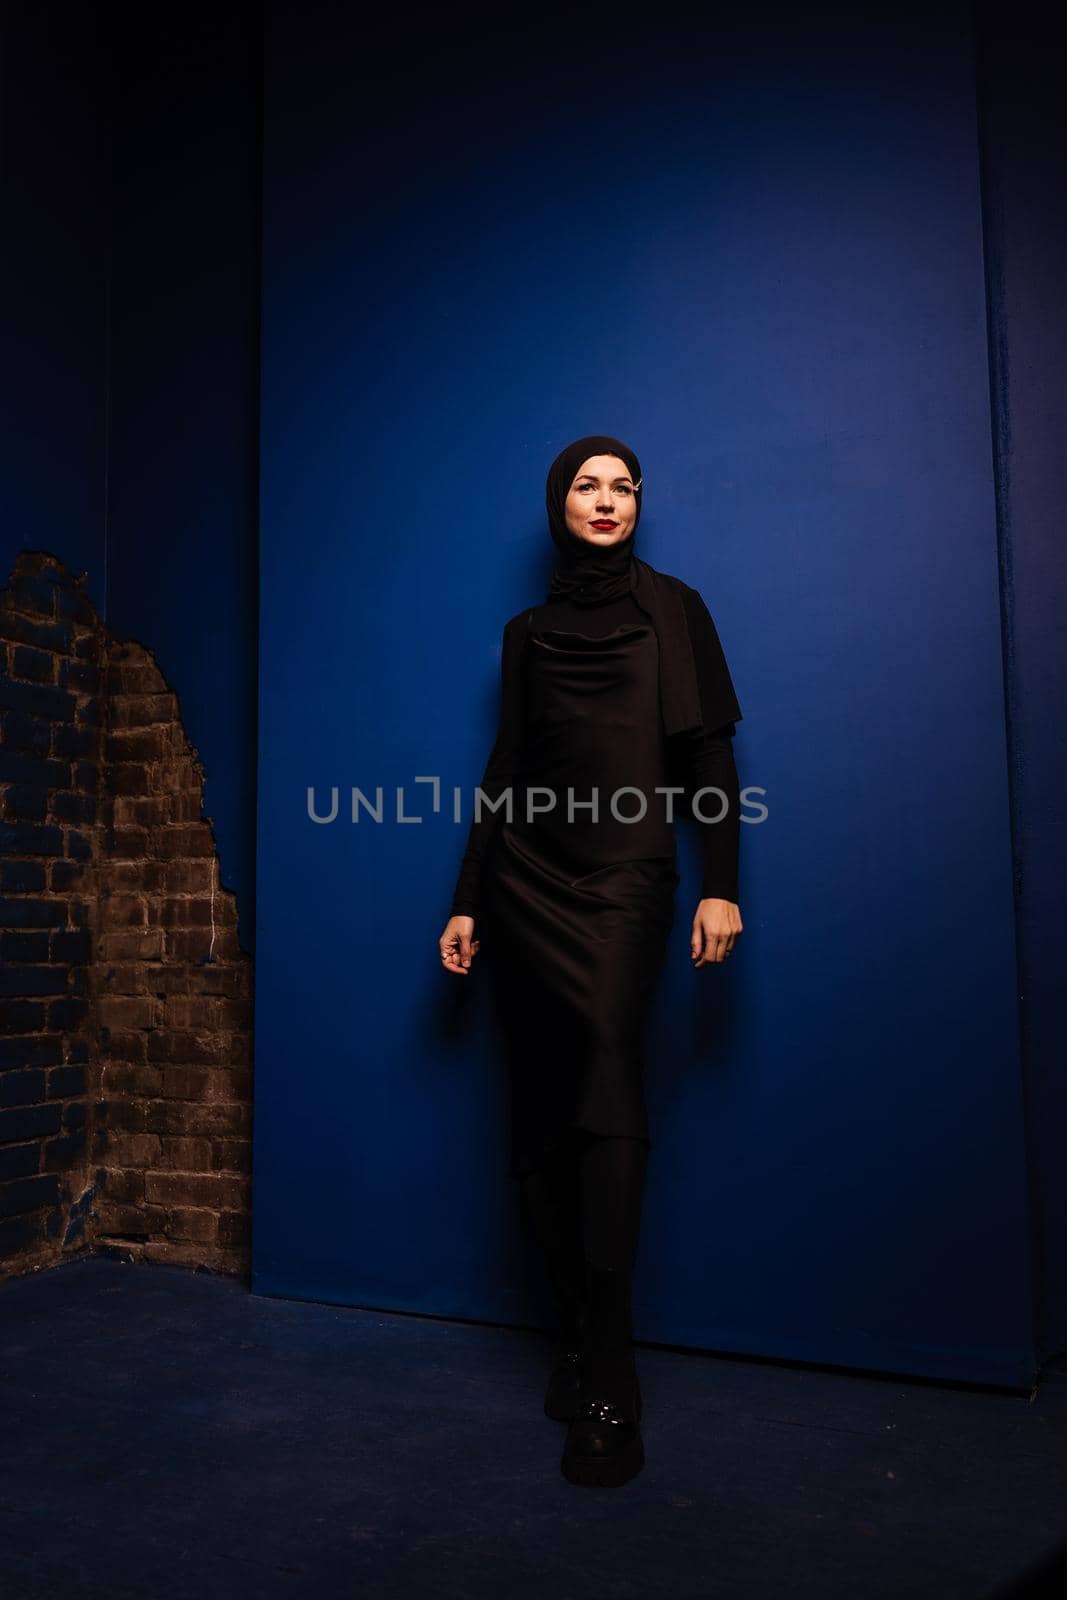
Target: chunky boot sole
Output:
[
  {"x": 611, "y": 1472},
  {"x": 613, "y": 1468}
]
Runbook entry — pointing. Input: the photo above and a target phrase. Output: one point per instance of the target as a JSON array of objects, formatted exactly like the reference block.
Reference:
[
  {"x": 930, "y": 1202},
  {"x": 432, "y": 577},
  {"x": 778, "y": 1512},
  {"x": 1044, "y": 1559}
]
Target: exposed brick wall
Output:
[{"x": 125, "y": 999}]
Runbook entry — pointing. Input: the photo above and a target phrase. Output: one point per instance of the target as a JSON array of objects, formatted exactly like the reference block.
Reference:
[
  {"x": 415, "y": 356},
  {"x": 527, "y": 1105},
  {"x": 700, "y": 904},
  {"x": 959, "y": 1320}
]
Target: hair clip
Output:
[{"x": 638, "y": 484}]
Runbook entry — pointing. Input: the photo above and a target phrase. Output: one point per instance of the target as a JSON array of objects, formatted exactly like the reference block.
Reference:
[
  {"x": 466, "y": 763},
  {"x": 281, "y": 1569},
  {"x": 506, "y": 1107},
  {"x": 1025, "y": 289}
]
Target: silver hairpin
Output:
[{"x": 638, "y": 484}]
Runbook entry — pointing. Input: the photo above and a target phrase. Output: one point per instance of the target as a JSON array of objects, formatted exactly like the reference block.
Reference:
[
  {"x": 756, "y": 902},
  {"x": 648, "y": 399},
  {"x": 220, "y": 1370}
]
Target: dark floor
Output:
[{"x": 168, "y": 1434}]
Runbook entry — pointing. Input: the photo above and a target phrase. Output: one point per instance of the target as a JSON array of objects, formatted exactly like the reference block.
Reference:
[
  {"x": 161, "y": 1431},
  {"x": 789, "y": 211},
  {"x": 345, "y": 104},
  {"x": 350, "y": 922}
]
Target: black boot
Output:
[
  {"x": 567, "y": 1276},
  {"x": 604, "y": 1445}
]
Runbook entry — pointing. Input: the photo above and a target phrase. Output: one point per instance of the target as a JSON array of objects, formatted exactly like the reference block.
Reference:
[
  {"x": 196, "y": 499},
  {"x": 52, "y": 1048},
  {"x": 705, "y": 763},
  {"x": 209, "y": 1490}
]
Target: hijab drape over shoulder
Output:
[{"x": 589, "y": 574}]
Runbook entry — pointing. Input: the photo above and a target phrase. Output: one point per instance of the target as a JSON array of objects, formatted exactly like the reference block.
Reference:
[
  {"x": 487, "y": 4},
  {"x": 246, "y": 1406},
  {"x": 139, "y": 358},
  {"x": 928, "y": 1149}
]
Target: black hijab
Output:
[
  {"x": 586, "y": 573},
  {"x": 589, "y": 574}
]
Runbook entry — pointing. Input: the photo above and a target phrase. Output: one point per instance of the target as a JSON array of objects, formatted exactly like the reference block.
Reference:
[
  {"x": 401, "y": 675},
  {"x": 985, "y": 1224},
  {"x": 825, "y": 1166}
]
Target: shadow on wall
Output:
[{"x": 125, "y": 998}]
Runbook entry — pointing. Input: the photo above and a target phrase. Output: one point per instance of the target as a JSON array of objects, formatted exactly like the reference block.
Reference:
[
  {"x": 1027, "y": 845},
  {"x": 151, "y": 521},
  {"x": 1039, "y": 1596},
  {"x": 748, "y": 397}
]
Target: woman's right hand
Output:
[{"x": 457, "y": 946}]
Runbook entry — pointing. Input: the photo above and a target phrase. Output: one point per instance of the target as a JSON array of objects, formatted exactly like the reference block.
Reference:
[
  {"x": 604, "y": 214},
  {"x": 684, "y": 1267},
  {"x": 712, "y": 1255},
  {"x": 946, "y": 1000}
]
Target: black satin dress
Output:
[{"x": 578, "y": 909}]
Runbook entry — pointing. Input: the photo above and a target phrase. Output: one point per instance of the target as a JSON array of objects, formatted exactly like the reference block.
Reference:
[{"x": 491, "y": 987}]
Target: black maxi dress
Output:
[{"x": 573, "y": 906}]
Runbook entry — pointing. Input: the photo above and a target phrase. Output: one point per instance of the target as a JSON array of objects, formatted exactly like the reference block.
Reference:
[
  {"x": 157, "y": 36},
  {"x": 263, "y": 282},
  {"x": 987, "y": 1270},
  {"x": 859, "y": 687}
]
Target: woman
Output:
[{"x": 616, "y": 700}]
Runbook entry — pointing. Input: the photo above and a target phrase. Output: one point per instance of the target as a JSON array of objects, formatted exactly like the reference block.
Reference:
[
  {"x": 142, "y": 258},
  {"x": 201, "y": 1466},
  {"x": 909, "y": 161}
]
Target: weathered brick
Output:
[
  {"x": 37, "y": 700},
  {"x": 165, "y": 980},
  {"x": 184, "y": 841},
  {"x": 128, "y": 778},
  {"x": 74, "y": 741},
  {"x": 191, "y": 1011},
  {"x": 135, "y": 675},
  {"x": 25, "y": 803},
  {"x": 140, "y": 944},
  {"x": 200, "y": 1048},
  {"x": 67, "y": 1014},
  {"x": 124, "y": 977},
  {"x": 141, "y": 710},
  {"x": 191, "y": 1224},
  {"x": 122, "y": 1116},
  {"x": 21, "y": 877},
  {"x": 122, "y": 1184},
  {"x": 29, "y": 1194},
  {"x": 30, "y": 630},
  {"x": 127, "y": 844},
  {"x": 188, "y": 913},
  {"x": 79, "y": 845},
  {"x": 139, "y": 744},
  {"x": 223, "y": 978},
  {"x": 66, "y": 1081},
  {"x": 24, "y": 946},
  {"x": 122, "y": 1045},
  {"x": 27, "y": 981},
  {"x": 30, "y": 839},
  {"x": 31, "y": 1050},
  {"x": 192, "y": 1083},
  {"x": 17, "y": 1160},
  {"x": 235, "y": 1229},
  {"x": 232, "y": 1155},
  {"x": 72, "y": 946},
  {"x": 133, "y": 1150},
  {"x": 186, "y": 1154},
  {"x": 214, "y": 1119},
  {"x": 82, "y": 676},
  {"x": 29, "y": 662},
  {"x": 22, "y": 1088},
  {"x": 31, "y": 736},
  {"x": 61, "y": 1153},
  {"x": 127, "y": 1012},
  {"x": 19, "y": 1235},
  {"x": 147, "y": 877},
  {"x": 188, "y": 877},
  {"x": 67, "y": 874},
  {"x": 32, "y": 912},
  {"x": 219, "y": 1190},
  {"x": 71, "y": 807},
  {"x": 123, "y": 1078},
  {"x": 155, "y": 811},
  {"x": 189, "y": 945},
  {"x": 114, "y": 1218},
  {"x": 122, "y": 911},
  {"x": 22, "y": 1016},
  {"x": 152, "y": 974}
]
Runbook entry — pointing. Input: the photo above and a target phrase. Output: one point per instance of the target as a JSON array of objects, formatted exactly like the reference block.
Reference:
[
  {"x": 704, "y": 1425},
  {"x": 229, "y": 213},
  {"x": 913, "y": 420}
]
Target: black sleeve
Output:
[
  {"x": 501, "y": 769},
  {"x": 707, "y": 760},
  {"x": 718, "y": 700}
]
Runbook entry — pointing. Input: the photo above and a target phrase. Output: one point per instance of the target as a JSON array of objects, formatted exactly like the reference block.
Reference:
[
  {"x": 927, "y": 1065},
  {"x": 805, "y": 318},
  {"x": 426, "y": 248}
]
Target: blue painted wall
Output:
[
  {"x": 184, "y": 390},
  {"x": 799, "y": 297},
  {"x": 54, "y": 173},
  {"x": 754, "y": 248},
  {"x": 1024, "y": 157},
  {"x": 129, "y": 318}
]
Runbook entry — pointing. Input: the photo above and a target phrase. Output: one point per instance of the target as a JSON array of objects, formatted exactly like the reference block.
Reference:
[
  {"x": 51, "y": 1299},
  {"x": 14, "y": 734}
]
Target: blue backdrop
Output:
[{"x": 754, "y": 250}]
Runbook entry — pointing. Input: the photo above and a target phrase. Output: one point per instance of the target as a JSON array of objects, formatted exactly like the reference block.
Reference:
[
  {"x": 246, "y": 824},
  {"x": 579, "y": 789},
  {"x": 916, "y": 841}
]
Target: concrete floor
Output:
[{"x": 168, "y": 1434}]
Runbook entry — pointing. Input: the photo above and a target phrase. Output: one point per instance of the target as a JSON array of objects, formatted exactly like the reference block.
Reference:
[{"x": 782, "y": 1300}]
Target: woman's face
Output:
[{"x": 601, "y": 504}]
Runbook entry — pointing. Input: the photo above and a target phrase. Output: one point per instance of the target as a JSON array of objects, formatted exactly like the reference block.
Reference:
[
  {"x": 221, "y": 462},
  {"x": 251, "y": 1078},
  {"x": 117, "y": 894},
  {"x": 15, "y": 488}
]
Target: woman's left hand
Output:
[{"x": 716, "y": 925}]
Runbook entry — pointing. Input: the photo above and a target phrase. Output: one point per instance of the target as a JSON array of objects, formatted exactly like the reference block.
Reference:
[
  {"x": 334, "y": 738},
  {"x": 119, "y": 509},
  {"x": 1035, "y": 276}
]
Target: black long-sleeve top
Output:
[{"x": 697, "y": 758}]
